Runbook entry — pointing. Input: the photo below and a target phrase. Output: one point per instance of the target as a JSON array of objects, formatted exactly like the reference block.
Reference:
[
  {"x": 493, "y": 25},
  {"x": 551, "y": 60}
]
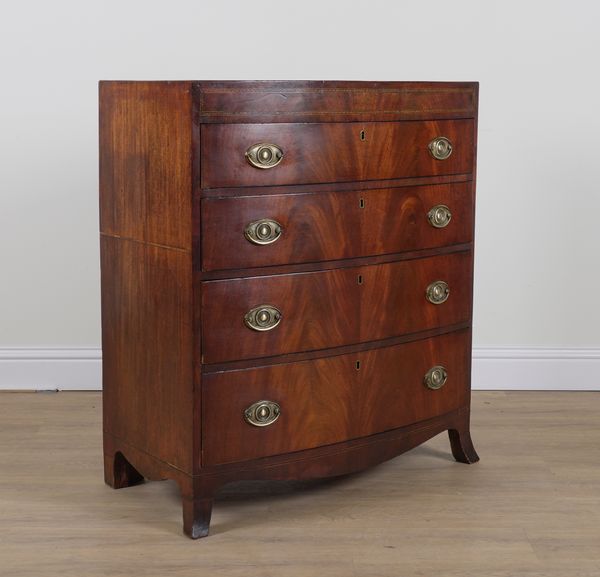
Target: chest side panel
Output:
[{"x": 146, "y": 267}]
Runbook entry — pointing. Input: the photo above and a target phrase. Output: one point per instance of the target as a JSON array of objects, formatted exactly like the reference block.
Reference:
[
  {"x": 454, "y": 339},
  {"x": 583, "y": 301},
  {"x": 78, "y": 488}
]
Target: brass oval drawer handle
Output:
[
  {"x": 440, "y": 148},
  {"x": 439, "y": 216},
  {"x": 264, "y": 231},
  {"x": 437, "y": 292},
  {"x": 436, "y": 377},
  {"x": 264, "y": 155},
  {"x": 263, "y": 318},
  {"x": 262, "y": 413}
]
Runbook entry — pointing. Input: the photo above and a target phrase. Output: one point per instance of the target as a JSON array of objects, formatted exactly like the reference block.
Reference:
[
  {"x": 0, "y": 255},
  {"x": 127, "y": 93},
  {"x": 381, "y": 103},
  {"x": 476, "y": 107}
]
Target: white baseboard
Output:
[
  {"x": 50, "y": 369},
  {"x": 506, "y": 368},
  {"x": 536, "y": 369}
]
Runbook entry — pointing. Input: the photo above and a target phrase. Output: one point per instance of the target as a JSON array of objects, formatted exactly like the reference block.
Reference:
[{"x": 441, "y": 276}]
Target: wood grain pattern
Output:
[
  {"x": 333, "y": 152},
  {"x": 332, "y": 186},
  {"x": 336, "y": 225},
  {"x": 330, "y": 308},
  {"x": 147, "y": 348},
  {"x": 145, "y": 161},
  {"x": 334, "y": 351},
  {"x": 305, "y": 101},
  {"x": 146, "y": 266},
  {"x": 327, "y": 265},
  {"x": 331, "y": 400}
]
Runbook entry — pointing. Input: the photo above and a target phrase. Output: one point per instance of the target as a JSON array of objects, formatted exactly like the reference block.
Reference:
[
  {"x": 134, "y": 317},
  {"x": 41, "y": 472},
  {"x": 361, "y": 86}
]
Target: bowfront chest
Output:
[{"x": 287, "y": 272}]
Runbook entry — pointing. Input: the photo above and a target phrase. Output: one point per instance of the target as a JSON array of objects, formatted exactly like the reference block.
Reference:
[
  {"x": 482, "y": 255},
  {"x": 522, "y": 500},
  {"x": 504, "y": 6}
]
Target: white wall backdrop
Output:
[{"x": 537, "y": 322}]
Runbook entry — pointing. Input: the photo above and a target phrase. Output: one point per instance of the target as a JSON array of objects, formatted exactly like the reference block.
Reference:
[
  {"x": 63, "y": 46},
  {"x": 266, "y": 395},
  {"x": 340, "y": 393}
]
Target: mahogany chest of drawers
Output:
[{"x": 286, "y": 278}]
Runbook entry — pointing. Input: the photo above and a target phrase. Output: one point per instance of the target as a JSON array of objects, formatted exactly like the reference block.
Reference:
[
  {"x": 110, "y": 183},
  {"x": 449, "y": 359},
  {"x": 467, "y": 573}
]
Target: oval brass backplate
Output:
[
  {"x": 439, "y": 216},
  {"x": 436, "y": 377},
  {"x": 264, "y": 231},
  {"x": 264, "y": 155},
  {"x": 440, "y": 148},
  {"x": 263, "y": 318},
  {"x": 262, "y": 413},
  {"x": 437, "y": 292}
]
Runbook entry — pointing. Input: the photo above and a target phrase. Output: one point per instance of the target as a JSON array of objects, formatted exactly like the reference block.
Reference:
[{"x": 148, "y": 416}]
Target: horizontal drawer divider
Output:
[
  {"x": 333, "y": 186},
  {"x": 231, "y": 274},
  {"x": 332, "y": 352},
  {"x": 337, "y": 116}
]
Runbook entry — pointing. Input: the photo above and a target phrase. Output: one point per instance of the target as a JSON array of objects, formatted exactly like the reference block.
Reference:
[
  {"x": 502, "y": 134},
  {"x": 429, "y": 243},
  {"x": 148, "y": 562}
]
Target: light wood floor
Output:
[{"x": 530, "y": 507}]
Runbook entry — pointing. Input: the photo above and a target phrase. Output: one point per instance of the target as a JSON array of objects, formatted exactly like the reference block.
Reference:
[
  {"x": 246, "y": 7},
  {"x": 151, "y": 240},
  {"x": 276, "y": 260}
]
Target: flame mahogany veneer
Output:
[{"x": 350, "y": 372}]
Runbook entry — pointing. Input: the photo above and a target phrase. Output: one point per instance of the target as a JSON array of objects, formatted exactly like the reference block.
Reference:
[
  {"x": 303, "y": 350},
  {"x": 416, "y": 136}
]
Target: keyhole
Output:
[
  {"x": 362, "y": 203},
  {"x": 359, "y": 279},
  {"x": 358, "y": 365},
  {"x": 362, "y": 135}
]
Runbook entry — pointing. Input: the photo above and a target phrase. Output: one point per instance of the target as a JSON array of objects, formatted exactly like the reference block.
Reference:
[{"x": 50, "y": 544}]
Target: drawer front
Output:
[
  {"x": 335, "y": 225},
  {"x": 332, "y": 308},
  {"x": 329, "y": 400},
  {"x": 333, "y": 152}
]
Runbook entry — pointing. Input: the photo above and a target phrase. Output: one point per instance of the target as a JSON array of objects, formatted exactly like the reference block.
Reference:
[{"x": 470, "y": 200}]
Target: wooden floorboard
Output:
[{"x": 529, "y": 508}]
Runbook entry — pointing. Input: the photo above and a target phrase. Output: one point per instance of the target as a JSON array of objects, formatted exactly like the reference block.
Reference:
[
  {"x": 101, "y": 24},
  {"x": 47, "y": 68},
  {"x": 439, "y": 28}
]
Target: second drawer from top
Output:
[{"x": 256, "y": 231}]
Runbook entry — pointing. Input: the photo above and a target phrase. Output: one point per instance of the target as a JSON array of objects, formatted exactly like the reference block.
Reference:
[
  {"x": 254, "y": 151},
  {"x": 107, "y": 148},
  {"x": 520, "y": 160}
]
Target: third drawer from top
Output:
[{"x": 262, "y": 316}]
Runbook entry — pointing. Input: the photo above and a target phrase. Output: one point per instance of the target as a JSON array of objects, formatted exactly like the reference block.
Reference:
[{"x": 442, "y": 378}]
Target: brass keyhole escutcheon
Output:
[
  {"x": 436, "y": 377},
  {"x": 262, "y": 413},
  {"x": 363, "y": 135}
]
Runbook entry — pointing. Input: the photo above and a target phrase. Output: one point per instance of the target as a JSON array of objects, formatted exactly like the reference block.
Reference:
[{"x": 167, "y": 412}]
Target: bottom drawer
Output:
[{"x": 325, "y": 401}]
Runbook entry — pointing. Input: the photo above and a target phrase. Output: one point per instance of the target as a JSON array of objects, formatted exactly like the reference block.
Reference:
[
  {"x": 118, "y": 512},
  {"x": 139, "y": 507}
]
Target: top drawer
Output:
[{"x": 334, "y": 152}]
